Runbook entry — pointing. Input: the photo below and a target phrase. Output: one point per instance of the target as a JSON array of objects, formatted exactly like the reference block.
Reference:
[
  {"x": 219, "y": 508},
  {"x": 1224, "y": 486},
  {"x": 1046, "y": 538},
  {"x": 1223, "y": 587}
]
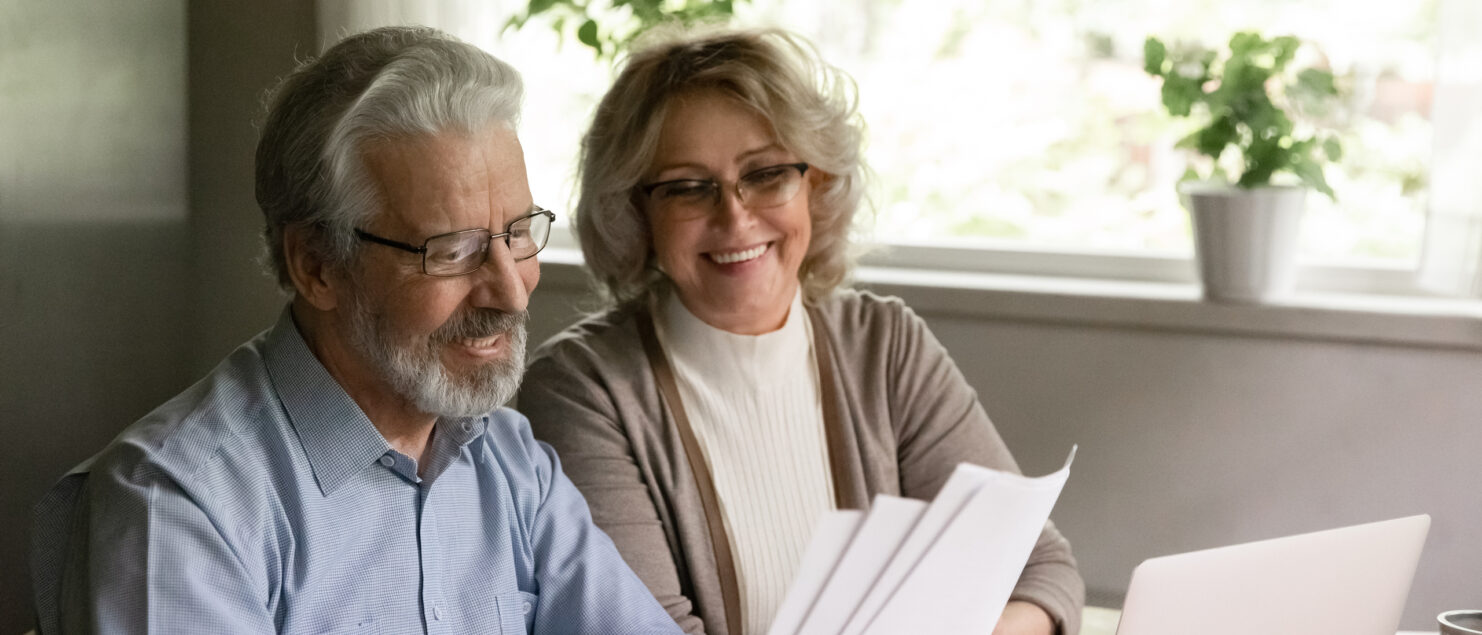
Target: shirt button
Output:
[
  {"x": 387, "y": 460},
  {"x": 527, "y": 608},
  {"x": 467, "y": 427},
  {"x": 437, "y": 612}
]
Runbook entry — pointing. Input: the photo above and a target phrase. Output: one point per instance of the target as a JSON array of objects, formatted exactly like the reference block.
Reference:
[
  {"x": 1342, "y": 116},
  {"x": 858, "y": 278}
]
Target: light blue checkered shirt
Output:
[{"x": 262, "y": 500}]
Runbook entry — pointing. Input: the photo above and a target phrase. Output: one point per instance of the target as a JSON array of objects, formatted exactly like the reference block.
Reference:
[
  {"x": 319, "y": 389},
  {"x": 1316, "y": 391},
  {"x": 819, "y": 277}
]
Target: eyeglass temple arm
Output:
[{"x": 365, "y": 235}]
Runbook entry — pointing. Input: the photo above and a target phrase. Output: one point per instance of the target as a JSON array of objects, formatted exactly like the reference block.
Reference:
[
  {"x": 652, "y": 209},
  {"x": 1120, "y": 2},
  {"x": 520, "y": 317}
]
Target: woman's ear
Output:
[{"x": 312, "y": 278}]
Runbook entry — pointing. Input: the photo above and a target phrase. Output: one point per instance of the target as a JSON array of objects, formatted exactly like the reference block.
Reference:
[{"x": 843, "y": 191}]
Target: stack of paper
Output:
[{"x": 909, "y": 567}]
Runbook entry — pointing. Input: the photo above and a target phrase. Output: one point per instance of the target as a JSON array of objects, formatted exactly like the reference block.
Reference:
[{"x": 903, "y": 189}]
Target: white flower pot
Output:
[{"x": 1245, "y": 240}]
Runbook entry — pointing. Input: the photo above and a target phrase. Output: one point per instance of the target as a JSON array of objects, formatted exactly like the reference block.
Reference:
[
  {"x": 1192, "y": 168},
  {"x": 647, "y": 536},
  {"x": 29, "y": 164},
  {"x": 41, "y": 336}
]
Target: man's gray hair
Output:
[{"x": 387, "y": 84}]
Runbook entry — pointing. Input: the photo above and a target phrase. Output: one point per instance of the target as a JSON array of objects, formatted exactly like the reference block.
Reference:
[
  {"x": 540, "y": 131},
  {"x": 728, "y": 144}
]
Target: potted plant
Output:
[{"x": 1245, "y": 227}]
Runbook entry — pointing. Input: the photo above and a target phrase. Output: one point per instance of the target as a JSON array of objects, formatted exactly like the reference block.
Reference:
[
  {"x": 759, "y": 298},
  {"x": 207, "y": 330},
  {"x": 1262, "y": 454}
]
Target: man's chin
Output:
[{"x": 472, "y": 390}]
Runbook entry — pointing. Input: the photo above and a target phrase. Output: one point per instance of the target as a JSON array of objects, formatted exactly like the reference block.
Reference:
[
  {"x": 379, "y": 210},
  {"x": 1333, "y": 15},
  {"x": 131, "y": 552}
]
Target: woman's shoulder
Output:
[
  {"x": 601, "y": 339},
  {"x": 855, "y": 310}
]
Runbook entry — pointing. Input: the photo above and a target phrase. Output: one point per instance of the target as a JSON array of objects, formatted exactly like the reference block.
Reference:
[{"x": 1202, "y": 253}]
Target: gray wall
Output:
[
  {"x": 125, "y": 250},
  {"x": 1193, "y": 441},
  {"x": 237, "y": 51},
  {"x": 93, "y": 240}
]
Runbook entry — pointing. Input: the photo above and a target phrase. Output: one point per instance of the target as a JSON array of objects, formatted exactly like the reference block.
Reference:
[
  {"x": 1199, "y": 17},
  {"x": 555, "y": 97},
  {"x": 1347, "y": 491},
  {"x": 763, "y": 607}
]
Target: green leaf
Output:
[
  {"x": 1153, "y": 54},
  {"x": 1412, "y": 182},
  {"x": 1244, "y": 78},
  {"x": 649, "y": 12},
  {"x": 1312, "y": 175},
  {"x": 1264, "y": 119},
  {"x": 1332, "y": 149},
  {"x": 1211, "y": 140},
  {"x": 1244, "y": 43},
  {"x": 1262, "y": 159},
  {"x": 539, "y": 6},
  {"x": 1189, "y": 141},
  {"x": 587, "y": 34},
  {"x": 1180, "y": 94},
  {"x": 1316, "y": 82},
  {"x": 1285, "y": 49}
]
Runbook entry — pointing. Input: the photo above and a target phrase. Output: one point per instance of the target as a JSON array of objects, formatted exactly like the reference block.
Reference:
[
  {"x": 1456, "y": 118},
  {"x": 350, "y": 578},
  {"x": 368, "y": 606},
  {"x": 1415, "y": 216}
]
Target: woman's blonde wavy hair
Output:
[{"x": 810, "y": 105}]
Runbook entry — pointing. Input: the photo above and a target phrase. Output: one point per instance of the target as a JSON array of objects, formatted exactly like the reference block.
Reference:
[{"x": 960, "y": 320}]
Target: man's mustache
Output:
[{"x": 479, "y": 324}]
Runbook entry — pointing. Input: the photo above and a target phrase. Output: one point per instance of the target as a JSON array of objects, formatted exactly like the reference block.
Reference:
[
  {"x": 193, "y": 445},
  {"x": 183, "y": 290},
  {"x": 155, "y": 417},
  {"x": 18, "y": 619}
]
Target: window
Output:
[{"x": 1024, "y": 135}]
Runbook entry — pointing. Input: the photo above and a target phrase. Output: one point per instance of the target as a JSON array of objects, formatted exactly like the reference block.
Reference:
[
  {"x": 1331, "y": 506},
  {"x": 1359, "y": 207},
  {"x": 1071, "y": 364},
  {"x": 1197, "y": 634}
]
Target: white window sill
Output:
[{"x": 1157, "y": 306}]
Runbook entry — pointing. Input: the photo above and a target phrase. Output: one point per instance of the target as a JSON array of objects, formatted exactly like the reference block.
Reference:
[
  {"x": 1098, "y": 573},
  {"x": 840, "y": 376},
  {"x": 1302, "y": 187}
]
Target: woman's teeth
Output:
[{"x": 727, "y": 258}]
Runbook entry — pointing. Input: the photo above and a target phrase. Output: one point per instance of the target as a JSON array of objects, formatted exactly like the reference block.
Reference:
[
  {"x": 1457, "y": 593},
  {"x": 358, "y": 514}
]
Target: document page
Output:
[
  {"x": 966, "y": 575},
  {"x": 830, "y": 537},
  {"x": 908, "y": 567},
  {"x": 889, "y": 520},
  {"x": 964, "y": 482}
]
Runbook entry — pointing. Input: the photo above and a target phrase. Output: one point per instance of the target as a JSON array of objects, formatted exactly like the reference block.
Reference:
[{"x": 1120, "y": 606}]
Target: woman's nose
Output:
[{"x": 733, "y": 211}]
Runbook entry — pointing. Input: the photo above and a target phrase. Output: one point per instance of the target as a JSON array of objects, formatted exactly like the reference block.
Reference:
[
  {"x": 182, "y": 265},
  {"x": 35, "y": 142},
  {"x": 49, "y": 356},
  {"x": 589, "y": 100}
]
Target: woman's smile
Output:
[{"x": 743, "y": 255}]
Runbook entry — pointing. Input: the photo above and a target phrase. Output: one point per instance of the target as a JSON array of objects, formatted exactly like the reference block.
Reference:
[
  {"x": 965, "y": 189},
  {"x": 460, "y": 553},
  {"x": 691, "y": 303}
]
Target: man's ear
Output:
[{"x": 314, "y": 280}]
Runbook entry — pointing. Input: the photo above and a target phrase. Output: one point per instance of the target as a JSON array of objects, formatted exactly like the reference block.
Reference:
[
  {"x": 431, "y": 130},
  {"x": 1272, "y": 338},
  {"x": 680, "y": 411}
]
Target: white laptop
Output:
[{"x": 1349, "y": 581}]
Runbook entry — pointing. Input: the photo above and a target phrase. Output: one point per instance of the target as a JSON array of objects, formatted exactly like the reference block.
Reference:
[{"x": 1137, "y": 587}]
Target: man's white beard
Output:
[{"x": 417, "y": 374}]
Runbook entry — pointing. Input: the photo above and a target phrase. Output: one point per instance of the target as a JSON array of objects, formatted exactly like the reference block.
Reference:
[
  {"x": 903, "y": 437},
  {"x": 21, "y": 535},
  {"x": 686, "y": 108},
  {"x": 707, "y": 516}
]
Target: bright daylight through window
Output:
[{"x": 1030, "y": 125}]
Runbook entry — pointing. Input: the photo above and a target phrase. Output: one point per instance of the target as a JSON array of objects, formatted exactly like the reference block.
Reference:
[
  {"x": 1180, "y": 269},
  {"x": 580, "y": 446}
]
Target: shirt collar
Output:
[{"x": 336, "y": 435}]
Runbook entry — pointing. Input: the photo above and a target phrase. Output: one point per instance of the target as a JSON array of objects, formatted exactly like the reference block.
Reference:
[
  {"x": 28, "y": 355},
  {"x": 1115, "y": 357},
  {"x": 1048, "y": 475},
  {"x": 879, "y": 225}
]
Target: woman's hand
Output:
[{"x": 1024, "y": 618}]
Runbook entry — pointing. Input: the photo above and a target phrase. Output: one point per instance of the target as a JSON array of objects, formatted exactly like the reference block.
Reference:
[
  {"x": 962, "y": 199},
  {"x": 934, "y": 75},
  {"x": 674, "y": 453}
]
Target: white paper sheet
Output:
[
  {"x": 887, "y": 523},
  {"x": 830, "y": 537},
  {"x": 963, "y": 580},
  {"x": 964, "y": 482}
]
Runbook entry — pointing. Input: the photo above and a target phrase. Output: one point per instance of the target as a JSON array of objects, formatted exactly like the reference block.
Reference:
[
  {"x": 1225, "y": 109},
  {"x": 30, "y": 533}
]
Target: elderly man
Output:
[{"x": 350, "y": 470}]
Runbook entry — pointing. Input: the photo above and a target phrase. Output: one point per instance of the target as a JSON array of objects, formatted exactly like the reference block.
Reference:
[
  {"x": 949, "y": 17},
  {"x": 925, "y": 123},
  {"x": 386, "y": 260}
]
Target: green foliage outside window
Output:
[
  {"x": 1069, "y": 146},
  {"x": 609, "y": 26}
]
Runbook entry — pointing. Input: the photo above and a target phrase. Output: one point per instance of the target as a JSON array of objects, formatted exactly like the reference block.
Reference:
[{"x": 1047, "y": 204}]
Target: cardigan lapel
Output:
[
  {"x": 849, "y": 492},
  {"x": 725, "y": 566}
]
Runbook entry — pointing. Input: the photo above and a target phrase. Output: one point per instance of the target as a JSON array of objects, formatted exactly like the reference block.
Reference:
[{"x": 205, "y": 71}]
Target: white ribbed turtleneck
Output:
[{"x": 754, "y": 404}]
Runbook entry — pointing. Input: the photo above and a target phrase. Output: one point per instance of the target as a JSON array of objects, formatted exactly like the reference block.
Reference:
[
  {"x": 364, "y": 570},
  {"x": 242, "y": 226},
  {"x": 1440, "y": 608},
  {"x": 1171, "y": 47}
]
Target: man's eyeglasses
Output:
[
  {"x": 465, "y": 251},
  {"x": 766, "y": 187}
]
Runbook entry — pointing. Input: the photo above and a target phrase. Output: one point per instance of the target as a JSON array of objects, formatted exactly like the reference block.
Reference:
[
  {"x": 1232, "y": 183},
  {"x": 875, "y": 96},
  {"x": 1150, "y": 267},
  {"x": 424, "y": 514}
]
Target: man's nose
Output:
[{"x": 498, "y": 284}]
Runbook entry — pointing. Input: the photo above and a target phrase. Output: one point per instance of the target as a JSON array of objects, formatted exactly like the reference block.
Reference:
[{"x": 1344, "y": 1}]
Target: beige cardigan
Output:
[{"x": 909, "y": 417}]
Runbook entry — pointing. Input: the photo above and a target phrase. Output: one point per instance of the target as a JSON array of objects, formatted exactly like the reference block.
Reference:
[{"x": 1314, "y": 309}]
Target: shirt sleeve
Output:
[
  {"x": 570, "y": 408},
  {"x": 585, "y": 587},
  {"x": 144, "y": 557}
]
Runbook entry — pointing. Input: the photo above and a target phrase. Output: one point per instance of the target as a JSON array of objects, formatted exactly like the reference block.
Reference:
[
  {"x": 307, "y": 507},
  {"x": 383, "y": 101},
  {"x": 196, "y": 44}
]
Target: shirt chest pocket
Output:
[{"x": 516, "y": 612}]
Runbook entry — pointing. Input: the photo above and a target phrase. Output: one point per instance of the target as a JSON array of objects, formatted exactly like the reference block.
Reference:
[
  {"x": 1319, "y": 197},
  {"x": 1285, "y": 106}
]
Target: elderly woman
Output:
[{"x": 733, "y": 392}]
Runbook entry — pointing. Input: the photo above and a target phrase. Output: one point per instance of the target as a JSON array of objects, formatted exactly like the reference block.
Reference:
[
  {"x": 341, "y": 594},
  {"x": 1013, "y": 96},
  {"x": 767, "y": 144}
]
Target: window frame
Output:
[{"x": 458, "y": 16}]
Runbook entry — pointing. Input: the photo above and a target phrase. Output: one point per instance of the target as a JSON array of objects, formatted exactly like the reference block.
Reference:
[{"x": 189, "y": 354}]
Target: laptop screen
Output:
[{"x": 1352, "y": 580}]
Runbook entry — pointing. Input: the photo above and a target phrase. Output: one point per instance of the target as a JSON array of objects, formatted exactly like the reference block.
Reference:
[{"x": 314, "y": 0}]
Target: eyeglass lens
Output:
[
  {"x": 461, "y": 252},
  {"x": 767, "y": 187}
]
